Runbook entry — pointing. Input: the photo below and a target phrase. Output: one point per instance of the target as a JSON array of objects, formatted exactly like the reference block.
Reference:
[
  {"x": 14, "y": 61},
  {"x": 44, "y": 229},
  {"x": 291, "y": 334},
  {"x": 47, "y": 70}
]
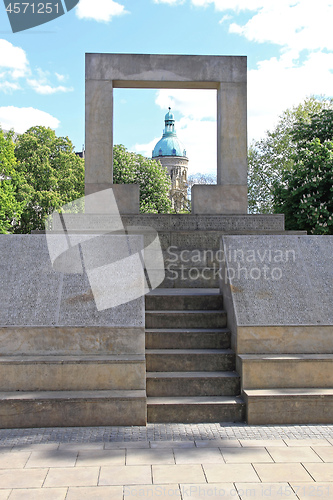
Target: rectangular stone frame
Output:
[{"x": 226, "y": 74}]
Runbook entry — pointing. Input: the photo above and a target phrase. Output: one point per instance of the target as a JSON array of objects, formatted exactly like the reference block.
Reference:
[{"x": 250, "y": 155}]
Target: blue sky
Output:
[{"x": 288, "y": 43}]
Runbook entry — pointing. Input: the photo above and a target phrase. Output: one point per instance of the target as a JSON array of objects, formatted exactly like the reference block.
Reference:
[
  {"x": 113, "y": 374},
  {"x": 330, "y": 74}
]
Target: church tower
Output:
[{"x": 172, "y": 155}]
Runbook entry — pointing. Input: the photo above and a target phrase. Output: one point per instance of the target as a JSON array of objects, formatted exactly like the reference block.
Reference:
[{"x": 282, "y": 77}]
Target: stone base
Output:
[
  {"x": 72, "y": 409},
  {"x": 289, "y": 406},
  {"x": 127, "y": 198},
  {"x": 217, "y": 199}
]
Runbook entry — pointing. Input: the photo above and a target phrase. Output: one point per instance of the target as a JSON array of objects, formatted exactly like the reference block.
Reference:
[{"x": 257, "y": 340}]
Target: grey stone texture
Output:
[
  {"x": 278, "y": 294},
  {"x": 63, "y": 362},
  {"x": 34, "y": 294},
  {"x": 227, "y": 74},
  {"x": 295, "y": 289}
]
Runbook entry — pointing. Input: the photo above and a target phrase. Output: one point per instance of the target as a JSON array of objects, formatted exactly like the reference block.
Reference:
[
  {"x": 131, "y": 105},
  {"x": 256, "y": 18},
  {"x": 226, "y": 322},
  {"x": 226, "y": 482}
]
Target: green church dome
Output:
[{"x": 169, "y": 145}]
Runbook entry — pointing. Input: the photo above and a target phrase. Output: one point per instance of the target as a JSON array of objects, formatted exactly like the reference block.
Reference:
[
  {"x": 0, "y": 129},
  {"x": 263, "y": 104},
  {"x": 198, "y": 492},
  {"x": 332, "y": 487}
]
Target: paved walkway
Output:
[{"x": 174, "y": 461}]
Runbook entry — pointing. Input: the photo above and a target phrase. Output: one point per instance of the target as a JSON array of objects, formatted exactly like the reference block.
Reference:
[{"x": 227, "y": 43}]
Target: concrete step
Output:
[
  {"x": 192, "y": 384},
  {"x": 180, "y": 299},
  {"x": 195, "y": 409},
  {"x": 72, "y": 408},
  {"x": 185, "y": 360},
  {"x": 289, "y": 406},
  {"x": 186, "y": 319},
  {"x": 72, "y": 373},
  {"x": 187, "y": 338},
  {"x": 269, "y": 371}
]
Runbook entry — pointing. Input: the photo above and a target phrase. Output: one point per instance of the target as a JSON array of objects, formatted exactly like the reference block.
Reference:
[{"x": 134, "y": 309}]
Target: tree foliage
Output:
[
  {"x": 305, "y": 194},
  {"x": 271, "y": 157},
  {"x": 10, "y": 207},
  {"x": 53, "y": 175},
  {"x": 153, "y": 179}
]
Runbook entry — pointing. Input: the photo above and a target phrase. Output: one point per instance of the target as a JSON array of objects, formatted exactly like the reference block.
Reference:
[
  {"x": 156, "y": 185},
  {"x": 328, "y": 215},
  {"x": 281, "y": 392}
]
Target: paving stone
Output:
[
  {"x": 201, "y": 456},
  {"x": 169, "y": 474},
  {"x": 35, "y": 447},
  {"x": 173, "y": 444},
  {"x": 227, "y": 491},
  {"x": 247, "y": 443},
  {"x": 153, "y": 491},
  {"x": 307, "y": 442},
  {"x": 270, "y": 491},
  {"x": 325, "y": 453},
  {"x": 218, "y": 443},
  {"x": 76, "y": 476},
  {"x": 320, "y": 472},
  {"x": 89, "y": 458},
  {"x": 128, "y": 444},
  {"x": 51, "y": 458},
  {"x": 39, "y": 494},
  {"x": 80, "y": 446},
  {"x": 124, "y": 475},
  {"x": 272, "y": 473},
  {"x": 245, "y": 455},
  {"x": 4, "y": 494},
  {"x": 295, "y": 454},
  {"x": 14, "y": 460},
  {"x": 95, "y": 492},
  {"x": 148, "y": 457},
  {"x": 22, "y": 478},
  {"x": 309, "y": 491},
  {"x": 216, "y": 473}
]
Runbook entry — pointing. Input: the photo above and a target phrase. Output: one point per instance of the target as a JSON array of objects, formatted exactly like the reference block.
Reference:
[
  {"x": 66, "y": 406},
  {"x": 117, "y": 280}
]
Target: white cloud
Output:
[
  {"x": 20, "y": 119},
  {"x": 8, "y": 87},
  {"x": 99, "y": 10},
  {"x": 278, "y": 84},
  {"x": 13, "y": 59},
  {"x": 60, "y": 78},
  {"x": 170, "y": 2},
  {"x": 196, "y": 129},
  {"x": 42, "y": 84},
  {"x": 46, "y": 89},
  {"x": 294, "y": 24}
]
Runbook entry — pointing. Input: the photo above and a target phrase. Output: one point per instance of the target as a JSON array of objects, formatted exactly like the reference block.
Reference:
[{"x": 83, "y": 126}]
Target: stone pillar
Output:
[{"x": 99, "y": 150}]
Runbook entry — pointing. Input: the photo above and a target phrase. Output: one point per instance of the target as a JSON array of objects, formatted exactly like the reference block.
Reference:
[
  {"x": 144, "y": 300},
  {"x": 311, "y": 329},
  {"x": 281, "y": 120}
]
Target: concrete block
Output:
[
  {"x": 34, "y": 294},
  {"x": 192, "y": 384},
  {"x": 72, "y": 408},
  {"x": 169, "y": 71},
  {"x": 99, "y": 131},
  {"x": 72, "y": 373},
  {"x": 195, "y": 409},
  {"x": 219, "y": 199},
  {"x": 285, "y": 339},
  {"x": 289, "y": 406},
  {"x": 268, "y": 371},
  {"x": 76, "y": 341},
  {"x": 279, "y": 280},
  {"x": 187, "y": 360},
  {"x": 127, "y": 197}
]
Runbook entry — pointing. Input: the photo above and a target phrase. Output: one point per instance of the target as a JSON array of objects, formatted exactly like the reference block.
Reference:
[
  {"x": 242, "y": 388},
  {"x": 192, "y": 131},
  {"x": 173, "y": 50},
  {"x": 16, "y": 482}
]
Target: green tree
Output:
[
  {"x": 272, "y": 156},
  {"x": 10, "y": 207},
  {"x": 53, "y": 175},
  {"x": 305, "y": 194},
  {"x": 153, "y": 179}
]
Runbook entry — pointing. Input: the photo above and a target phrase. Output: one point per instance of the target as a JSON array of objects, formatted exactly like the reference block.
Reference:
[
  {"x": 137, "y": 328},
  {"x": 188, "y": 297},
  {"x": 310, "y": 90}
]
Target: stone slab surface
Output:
[
  {"x": 32, "y": 293},
  {"x": 279, "y": 280},
  {"x": 71, "y": 341}
]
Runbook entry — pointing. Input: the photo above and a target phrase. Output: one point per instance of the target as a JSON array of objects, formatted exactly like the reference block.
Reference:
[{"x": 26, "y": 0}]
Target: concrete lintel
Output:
[{"x": 164, "y": 68}]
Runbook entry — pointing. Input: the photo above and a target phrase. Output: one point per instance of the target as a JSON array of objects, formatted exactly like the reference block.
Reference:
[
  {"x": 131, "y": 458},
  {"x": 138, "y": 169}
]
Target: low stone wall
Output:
[
  {"x": 55, "y": 341},
  {"x": 278, "y": 294}
]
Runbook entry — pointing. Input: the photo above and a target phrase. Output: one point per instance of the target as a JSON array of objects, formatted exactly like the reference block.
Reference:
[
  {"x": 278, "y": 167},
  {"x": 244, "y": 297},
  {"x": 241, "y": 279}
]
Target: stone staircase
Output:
[{"x": 190, "y": 366}]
